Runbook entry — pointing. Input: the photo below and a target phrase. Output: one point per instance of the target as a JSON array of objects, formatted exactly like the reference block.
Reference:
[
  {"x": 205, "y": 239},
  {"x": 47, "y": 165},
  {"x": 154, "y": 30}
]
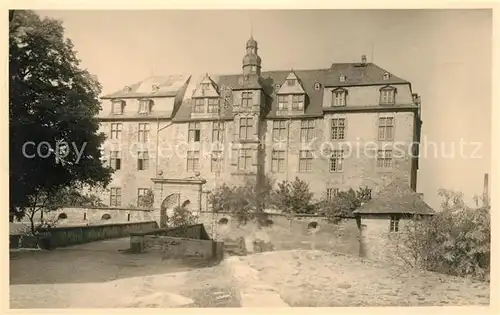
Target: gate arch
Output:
[{"x": 170, "y": 201}]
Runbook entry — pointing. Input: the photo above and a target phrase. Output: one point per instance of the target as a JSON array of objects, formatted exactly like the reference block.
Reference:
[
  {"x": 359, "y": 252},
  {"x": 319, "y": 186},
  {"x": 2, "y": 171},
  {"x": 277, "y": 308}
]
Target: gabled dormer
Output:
[
  {"x": 205, "y": 97},
  {"x": 388, "y": 95},
  {"x": 339, "y": 97},
  {"x": 291, "y": 96}
]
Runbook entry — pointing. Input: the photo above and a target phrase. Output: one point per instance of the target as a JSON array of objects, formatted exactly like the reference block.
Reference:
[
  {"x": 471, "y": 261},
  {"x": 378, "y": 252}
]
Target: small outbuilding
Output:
[{"x": 383, "y": 217}]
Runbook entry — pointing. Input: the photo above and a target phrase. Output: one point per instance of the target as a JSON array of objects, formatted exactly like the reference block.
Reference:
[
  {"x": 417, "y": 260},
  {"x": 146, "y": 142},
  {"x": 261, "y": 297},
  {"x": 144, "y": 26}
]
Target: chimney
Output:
[
  {"x": 363, "y": 59},
  {"x": 485, "y": 190}
]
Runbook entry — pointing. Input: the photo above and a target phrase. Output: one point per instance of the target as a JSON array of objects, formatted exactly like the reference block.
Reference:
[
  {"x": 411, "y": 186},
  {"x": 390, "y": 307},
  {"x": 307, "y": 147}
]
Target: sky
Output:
[{"x": 445, "y": 54}]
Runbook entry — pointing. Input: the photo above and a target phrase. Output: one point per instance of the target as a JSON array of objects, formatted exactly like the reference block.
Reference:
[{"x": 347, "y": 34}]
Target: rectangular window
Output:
[
  {"x": 117, "y": 107},
  {"x": 218, "y": 132},
  {"x": 193, "y": 161},
  {"x": 115, "y": 160},
  {"x": 384, "y": 158},
  {"x": 387, "y": 96},
  {"x": 290, "y": 82},
  {"x": 339, "y": 98},
  {"x": 305, "y": 161},
  {"x": 306, "y": 130},
  {"x": 331, "y": 193},
  {"x": 199, "y": 105},
  {"x": 213, "y": 105},
  {"x": 283, "y": 102},
  {"x": 394, "y": 224},
  {"x": 116, "y": 130},
  {"x": 386, "y": 128},
  {"x": 338, "y": 129},
  {"x": 246, "y": 99},
  {"x": 217, "y": 161},
  {"x": 144, "y": 106},
  {"x": 246, "y": 127},
  {"x": 143, "y": 132},
  {"x": 278, "y": 161},
  {"x": 337, "y": 161},
  {"x": 142, "y": 160},
  {"x": 245, "y": 159},
  {"x": 279, "y": 130},
  {"x": 194, "y": 132},
  {"x": 141, "y": 194},
  {"x": 297, "y": 102},
  {"x": 115, "y": 197}
]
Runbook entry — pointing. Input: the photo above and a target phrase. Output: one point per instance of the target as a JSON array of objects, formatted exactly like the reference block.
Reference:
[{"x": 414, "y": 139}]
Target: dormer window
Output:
[
  {"x": 144, "y": 106},
  {"x": 213, "y": 105},
  {"x": 199, "y": 105},
  {"x": 387, "y": 95},
  {"x": 317, "y": 86},
  {"x": 128, "y": 89},
  {"x": 155, "y": 88},
  {"x": 205, "y": 86},
  {"x": 277, "y": 87},
  {"x": 282, "y": 102},
  {"x": 117, "y": 107},
  {"x": 342, "y": 78},
  {"x": 386, "y": 76},
  {"x": 290, "y": 82},
  {"x": 297, "y": 102},
  {"x": 246, "y": 99},
  {"x": 339, "y": 97}
]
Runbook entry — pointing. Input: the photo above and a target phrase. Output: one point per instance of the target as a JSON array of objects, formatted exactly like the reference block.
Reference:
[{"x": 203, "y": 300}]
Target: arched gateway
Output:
[{"x": 169, "y": 202}]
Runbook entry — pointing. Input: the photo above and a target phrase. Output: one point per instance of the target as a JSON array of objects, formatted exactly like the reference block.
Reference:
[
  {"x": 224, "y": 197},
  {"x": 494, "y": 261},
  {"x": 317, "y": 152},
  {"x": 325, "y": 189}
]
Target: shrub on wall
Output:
[
  {"x": 182, "y": 217},
  {"x": 244, "y": 203},
  {"x": 293, "y": 198},
  {"x": 455, "y": 241},
  {"x": 344, "y": 203}
]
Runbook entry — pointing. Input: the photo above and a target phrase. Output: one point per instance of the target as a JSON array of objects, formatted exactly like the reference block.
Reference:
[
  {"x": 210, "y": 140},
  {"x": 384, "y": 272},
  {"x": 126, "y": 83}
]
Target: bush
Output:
[
  {"x": 182, "y": 217},
  {"x": 344, "y": 203},
  {"x": 455, "y": 241},
  {"x": 244, "y": 203}
]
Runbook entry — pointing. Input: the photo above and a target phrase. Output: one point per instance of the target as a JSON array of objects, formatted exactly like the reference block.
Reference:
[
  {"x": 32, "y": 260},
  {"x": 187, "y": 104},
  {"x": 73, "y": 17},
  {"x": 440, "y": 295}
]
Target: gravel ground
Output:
[
  {"x": 99, "y": 275},
  {"x": 306, "y": 278}
]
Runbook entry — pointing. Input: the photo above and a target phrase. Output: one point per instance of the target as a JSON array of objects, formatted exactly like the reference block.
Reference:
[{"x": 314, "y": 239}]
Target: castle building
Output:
[{"x": 345, "y": 126}]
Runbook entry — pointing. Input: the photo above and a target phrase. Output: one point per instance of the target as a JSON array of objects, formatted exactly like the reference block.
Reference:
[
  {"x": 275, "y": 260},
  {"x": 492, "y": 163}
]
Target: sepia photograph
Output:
[{"x": 249, "y": 158}]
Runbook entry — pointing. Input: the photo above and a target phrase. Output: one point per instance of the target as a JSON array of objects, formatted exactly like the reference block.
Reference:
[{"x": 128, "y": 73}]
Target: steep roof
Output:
[
  {"x": 312, "y": 82},
  {"x": 396, "y": 198},
  {"x": 155, "y": 86}
]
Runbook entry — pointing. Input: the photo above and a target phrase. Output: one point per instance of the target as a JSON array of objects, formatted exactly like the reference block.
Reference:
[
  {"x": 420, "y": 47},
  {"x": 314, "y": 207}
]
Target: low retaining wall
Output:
[
  {"x": 182, "y": 242},
  {"x": 65, "y": 236}
]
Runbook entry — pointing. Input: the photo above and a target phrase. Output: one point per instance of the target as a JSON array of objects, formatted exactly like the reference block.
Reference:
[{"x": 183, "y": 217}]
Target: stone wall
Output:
[
  {"x": 378, "y": 243},
  {"x": 93, "y": 216},
  {"x": 176, "y": 247},
  {"x": 340, "y": 238},
  {"x": 65, "y": 236}
]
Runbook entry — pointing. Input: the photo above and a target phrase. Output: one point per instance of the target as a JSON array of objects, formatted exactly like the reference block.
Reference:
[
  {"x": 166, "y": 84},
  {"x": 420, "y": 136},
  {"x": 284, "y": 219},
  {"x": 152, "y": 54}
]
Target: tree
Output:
[
  {"x": 344, "y": 203},
  {"x": 43, "y": 203},
  {"x": 293, "y": 198},
  {"x": 53, "y": 105},
  {"x": 246, "y": 202},
  {"x": 147, "y": 201},
  {"x": 454, "y": 241},
  {"x": 182, "y": 217}
]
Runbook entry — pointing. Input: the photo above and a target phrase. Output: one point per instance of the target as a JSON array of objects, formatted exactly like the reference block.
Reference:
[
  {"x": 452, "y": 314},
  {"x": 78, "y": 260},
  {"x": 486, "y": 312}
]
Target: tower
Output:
[{"x": 251, "y": 61}]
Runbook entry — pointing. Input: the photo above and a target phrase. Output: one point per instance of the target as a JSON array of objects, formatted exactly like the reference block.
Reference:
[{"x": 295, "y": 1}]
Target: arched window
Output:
[
  {"x": 223, "y": 221},
  {"x": 106, "y": 216},
  {"x": 62, "y": 216},
  {"x": 312, "y": 225}
]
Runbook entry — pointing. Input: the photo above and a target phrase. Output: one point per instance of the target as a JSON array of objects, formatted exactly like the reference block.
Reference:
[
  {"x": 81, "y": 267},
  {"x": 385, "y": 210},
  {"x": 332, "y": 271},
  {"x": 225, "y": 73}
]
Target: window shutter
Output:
[
  {"x": 236, "y": 126},
  {"x": 234, "y": 156},
  {"x": 255, "y": 156},
  {"x": 255, "y": 98},
  {"x": 255, "y": 125}
]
